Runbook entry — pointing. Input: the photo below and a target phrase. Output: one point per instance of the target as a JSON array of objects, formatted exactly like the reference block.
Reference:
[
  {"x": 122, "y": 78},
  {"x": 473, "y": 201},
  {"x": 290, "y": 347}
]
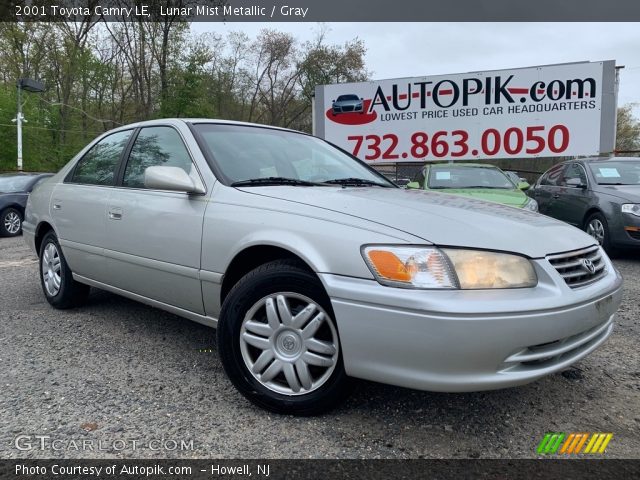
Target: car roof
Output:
[
  {"x": 164, "y": 121},
  {"x": 457, "y": 164},
  {"x": 604, "y": 159}
]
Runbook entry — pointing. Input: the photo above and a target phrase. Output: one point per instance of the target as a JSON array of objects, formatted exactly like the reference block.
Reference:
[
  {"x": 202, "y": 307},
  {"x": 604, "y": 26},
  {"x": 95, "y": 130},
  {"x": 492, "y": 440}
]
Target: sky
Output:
[{"x": 419, "y": 49}]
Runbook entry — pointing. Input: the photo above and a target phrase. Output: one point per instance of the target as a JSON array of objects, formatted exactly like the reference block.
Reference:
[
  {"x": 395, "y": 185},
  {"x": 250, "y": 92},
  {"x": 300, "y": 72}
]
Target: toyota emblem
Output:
[{"x": 588, "y": 266}]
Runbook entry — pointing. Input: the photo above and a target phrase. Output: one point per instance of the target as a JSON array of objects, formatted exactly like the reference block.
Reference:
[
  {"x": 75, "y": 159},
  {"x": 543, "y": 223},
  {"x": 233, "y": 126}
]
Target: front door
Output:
[
  {"x": 153, "y": 237},
  {"x": 573, "y": 201}
]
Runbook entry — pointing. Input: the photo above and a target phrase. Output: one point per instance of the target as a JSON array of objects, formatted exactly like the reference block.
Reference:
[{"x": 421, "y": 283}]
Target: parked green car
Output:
[{"x": 484, "y": 182}]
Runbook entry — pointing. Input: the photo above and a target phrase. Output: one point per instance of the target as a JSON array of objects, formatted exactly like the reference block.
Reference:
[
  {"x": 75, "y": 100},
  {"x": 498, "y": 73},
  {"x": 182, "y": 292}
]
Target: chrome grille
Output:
[{"x": 573, "y": 266}]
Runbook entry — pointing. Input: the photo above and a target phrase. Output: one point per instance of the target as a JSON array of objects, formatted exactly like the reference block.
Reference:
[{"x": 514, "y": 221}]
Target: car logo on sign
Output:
[{"x": 588, "y": 266}]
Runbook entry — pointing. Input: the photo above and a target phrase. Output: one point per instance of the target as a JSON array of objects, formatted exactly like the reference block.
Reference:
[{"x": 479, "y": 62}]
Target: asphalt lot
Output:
[{"x": 115, "y": 371}]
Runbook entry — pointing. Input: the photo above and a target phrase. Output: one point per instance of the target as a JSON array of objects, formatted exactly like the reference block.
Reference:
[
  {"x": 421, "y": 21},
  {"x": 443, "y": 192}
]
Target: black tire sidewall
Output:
[
  {"x": 278, "y": 277},
  {"x": 3, "y": 231}
]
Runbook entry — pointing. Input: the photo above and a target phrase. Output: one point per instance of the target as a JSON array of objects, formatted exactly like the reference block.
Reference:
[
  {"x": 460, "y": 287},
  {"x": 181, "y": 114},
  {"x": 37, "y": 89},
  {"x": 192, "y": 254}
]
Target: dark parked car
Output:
[
  {"x": 14, "y": 191},
  {"x": 347, "y": 104},
  {"x": 599, "y": 195}
]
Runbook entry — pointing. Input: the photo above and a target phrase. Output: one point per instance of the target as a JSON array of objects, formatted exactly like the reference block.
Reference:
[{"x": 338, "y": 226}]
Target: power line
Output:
[{"x": 55, "y": 104}]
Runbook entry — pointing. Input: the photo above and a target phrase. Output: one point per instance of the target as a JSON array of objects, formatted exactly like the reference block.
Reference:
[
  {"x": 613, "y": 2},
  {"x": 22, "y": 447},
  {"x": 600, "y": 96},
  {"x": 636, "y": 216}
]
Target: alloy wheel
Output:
[
  {"x": 289, "y": 343},
  {"x": 596, "y": 230},
  {"x": 12, "y": 222},
  {"x": 51, "y": 268}
]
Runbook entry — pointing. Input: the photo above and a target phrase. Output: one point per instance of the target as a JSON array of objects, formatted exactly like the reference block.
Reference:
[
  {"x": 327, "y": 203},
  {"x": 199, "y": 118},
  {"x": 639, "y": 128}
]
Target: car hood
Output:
[
  {"x": 440, "y": 218},
  {"x": 627, "y": 192},
  {"x": 514, "y": 198}
]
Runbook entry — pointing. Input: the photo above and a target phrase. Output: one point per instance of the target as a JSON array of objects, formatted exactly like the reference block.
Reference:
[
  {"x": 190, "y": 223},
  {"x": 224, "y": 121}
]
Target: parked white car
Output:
[{"x": 314, "y": 267}]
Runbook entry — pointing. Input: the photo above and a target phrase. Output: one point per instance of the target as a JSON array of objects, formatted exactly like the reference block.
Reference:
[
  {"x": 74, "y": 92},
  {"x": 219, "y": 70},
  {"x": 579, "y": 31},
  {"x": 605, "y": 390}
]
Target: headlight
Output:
[
  {"x": 632, "y": 208},
  {"x": 531, "y": 205},
  {"x": 449, "y": 268}
]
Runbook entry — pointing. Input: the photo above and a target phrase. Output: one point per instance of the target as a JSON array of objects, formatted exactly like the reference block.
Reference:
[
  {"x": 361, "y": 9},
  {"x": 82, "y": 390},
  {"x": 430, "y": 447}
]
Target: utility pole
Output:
[
  {"x": 19, "y": 119},
  {"x": 30, "y": 86}
]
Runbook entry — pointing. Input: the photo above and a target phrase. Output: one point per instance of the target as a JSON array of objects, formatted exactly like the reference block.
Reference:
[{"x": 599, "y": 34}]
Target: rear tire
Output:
[
  {"x": 278, "y": 341},
  {"x": 10, "y": 222},
  {"x": 58, "y": 285}
]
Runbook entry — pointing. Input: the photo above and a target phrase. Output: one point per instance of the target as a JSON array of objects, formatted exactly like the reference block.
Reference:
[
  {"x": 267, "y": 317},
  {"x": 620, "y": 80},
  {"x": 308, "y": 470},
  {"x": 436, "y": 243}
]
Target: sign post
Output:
[{"x": 30, "y": 86}]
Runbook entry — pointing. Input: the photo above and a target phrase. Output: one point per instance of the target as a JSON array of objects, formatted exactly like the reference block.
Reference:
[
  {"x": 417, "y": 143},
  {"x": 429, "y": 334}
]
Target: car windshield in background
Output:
[
  {"x": 616, "y": 173},
  {"x": 252, "y": 153},
  {"x": 14, "y": 183},
  {"x": 468, "y": 177},
  {"x": 345, "y": 98}
]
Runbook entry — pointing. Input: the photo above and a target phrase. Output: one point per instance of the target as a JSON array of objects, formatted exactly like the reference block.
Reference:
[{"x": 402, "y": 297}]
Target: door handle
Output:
[
  {"x": 115, "y": 213},
  {"x": 57, "y": 206},
  {"x": 555, "y": 195}
]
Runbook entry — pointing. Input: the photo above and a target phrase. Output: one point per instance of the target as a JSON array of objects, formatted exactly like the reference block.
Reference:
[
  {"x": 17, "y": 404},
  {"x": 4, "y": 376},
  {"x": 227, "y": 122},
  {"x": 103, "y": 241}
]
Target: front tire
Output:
[
  {"x": 10, "y": 222},
  {"x": 58, "y": 285},
  {"x": 597, "y": 226},
  {"x": 278, "y": 341}
]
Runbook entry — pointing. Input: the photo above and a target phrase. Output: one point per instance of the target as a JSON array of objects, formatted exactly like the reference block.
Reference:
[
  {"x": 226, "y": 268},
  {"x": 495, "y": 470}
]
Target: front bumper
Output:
[
  {"x": 458, "y": 341},
  {"x": 625, "y": 231}
]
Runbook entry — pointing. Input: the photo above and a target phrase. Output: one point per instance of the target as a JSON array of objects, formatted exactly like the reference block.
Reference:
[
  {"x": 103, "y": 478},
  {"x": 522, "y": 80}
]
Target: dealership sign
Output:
[{"x": 545, "y": 111}]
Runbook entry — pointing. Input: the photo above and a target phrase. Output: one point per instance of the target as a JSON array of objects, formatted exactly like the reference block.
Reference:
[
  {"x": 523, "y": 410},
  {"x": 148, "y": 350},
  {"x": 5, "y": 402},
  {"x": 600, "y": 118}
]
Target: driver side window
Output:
[
  {"x": 574, "y": 172},
  {"x": 155, "y": 146}
]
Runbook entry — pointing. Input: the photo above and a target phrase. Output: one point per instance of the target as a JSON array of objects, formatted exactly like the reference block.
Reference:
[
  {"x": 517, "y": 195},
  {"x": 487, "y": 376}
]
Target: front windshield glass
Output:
[
  {"x": 344, "y": 98},
  {"x": 452, "y": 176},
  {"x": 616, "y": 173},
  {"x": 244, "y": 153},
  {"x": 14, "y": 183}
]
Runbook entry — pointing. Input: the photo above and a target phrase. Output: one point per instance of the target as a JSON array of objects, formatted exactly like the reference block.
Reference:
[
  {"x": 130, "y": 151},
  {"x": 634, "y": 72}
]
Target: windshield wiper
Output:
[
  {"x": 358, "y": 182},
  {"x": 266, "y": 181},
  {"x": 613, "y": 183}
]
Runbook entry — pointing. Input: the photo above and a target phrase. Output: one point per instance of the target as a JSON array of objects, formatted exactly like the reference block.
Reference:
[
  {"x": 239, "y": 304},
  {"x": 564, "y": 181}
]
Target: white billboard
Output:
[{"x": 544, "y": 111}]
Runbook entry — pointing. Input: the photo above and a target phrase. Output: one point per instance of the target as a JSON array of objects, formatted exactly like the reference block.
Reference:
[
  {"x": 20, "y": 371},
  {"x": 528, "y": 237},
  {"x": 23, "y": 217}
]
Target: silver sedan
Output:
[{"x": 314, "y": 268}]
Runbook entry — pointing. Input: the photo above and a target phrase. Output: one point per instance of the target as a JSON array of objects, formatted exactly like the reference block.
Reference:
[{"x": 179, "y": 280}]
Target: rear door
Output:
[
  {"x": 78, "y": 205},
  {"x": 153, "y": 237}
]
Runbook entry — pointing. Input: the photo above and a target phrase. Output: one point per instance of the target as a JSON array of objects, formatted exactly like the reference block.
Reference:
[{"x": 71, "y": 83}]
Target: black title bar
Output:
[{"x": 322, "y": 11}]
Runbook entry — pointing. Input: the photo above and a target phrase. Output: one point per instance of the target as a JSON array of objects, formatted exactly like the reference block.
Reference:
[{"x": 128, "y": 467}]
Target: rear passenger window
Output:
[
  {"x": 155, "y": 146},
  {"x": 98, "y": 165}
]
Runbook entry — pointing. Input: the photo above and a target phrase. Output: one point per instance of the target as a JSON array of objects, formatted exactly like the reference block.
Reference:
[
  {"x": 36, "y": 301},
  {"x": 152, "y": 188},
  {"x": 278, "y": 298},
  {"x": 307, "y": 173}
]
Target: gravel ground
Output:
[{"x": 115, "y": 371}]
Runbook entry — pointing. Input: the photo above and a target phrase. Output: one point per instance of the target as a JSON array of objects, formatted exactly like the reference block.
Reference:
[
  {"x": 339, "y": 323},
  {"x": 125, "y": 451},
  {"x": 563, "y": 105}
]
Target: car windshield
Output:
[
  {"x": 14, "y": 183},
  {"x": 616, "y": 173},
  {"x": 247, "y": 153},
  {"x": 344, "y": 98},
  {"x": 458, "y": 176}
]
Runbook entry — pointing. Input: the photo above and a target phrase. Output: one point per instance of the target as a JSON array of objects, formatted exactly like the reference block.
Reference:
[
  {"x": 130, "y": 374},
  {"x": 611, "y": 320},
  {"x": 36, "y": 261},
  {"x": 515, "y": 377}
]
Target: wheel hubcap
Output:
[
  {"x": 289, "y": 343},
  {"x": 596, "y": 230},
  {"x": 12, "y": 222},
  {"x": 51, "y": 269}
]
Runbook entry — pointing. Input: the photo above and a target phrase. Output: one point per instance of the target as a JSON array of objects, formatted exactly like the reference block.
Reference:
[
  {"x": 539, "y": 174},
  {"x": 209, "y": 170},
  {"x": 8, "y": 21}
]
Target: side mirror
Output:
[
  {"x": 362, "y": 99},
  {"x": 333, "y": 101},
  {"x": 575, "y": 183},
  {"x": 524, "y": 185},
  {"x": 413, "y": 185},
  {"x": 170, "y": 178}
]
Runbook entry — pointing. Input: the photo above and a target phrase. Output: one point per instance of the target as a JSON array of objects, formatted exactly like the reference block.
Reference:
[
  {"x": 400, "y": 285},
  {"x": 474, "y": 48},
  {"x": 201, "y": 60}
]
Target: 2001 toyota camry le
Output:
[{"x": 314, "y": 267}]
